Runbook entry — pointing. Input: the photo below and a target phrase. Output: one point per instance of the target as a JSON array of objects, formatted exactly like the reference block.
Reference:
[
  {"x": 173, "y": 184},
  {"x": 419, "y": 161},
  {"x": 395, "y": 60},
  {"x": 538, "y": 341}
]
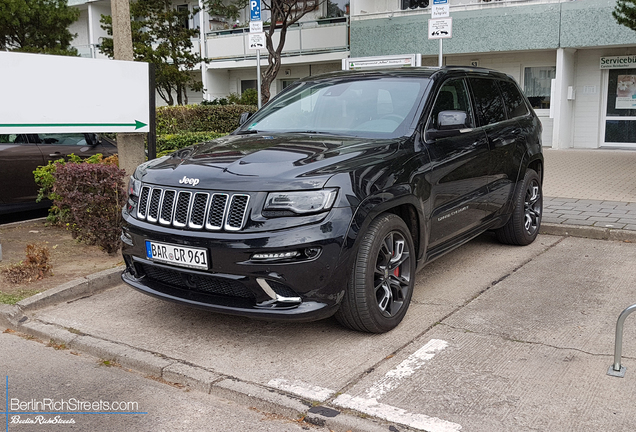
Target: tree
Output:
[
  {"x": 625, "y": 13},
  {"x": 283, "y": 14},
  {"x": 37, "y": 26},
  {"x": 161, "y": 36}
]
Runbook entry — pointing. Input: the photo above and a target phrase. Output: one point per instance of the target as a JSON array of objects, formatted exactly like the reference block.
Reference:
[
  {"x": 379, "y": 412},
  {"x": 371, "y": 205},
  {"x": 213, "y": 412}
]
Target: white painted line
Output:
[
  {"x": 393, "y": 414},
  {"x": 302, "y": 389},
  {"x": 405, "y": 369}
]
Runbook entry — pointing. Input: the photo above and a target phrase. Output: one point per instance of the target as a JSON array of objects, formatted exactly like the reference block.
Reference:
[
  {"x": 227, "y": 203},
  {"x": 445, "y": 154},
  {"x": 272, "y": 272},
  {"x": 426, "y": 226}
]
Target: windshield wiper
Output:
[
  {"x": 311, "y": 132},
  {"x": 247, "y": 132}
]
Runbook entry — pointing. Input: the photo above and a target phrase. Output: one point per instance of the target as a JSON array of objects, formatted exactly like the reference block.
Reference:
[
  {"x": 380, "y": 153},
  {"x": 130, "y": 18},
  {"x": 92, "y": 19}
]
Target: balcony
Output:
[
  {"x": 370, "y": 9},
  {"x": 305, "y": 38}
]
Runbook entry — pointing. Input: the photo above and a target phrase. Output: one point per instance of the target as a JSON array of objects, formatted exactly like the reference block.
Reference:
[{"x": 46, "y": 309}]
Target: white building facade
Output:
[
  {"x": 574, "y": 62},
  {"x": 315, "y": 45}
]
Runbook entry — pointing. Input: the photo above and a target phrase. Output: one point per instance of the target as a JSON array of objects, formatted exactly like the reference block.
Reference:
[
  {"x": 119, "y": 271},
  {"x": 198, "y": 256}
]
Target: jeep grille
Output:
[{"x": 193, "y": 210}]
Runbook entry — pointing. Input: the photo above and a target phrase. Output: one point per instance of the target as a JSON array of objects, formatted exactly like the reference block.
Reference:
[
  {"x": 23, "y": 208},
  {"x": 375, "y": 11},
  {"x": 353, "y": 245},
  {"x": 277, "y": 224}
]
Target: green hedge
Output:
[{"x": 199, "y": 118}]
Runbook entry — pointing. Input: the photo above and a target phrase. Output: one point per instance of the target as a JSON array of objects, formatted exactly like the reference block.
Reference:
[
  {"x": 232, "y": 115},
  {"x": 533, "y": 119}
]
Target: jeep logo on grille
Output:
[{"x": 190, "y": 181}]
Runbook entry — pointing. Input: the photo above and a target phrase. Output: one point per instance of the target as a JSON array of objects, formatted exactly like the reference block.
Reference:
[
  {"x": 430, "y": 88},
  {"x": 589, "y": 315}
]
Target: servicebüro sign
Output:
[{"x": 619, "y": 62}]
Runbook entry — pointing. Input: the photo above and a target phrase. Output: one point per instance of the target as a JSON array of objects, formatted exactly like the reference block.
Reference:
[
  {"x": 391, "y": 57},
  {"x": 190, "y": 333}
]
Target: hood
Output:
[{"x": 253, "y": 163}]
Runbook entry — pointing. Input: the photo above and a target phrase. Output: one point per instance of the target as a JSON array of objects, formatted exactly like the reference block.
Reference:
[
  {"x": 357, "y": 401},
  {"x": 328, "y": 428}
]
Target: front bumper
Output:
[{"x": 299, "y": 289}]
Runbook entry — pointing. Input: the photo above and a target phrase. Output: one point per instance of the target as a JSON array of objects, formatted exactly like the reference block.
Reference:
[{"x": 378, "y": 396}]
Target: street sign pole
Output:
[
  {"x": 258, "y": 76},
  {"x": 440, "y": 25},
  {"x": 256, "y": 26}
]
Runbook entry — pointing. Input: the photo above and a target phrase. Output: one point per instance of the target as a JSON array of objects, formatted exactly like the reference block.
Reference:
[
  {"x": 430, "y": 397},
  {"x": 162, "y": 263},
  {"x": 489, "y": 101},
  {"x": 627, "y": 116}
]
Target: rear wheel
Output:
[
  {"x": 382, "y": 278},
  {"x": 524, "y": 224}
]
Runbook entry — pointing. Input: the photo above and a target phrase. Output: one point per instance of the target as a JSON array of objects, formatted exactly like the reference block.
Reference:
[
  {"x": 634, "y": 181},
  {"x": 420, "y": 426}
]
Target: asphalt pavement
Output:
[{"x": 497, "y": 338}]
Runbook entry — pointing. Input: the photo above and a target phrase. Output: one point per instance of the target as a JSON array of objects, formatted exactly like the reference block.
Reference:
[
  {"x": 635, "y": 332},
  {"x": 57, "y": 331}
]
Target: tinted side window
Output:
[
  {"x": 515, "y": 105},
  {"x": 490, "y": 107},
  {"x": 453, "y": 96}
]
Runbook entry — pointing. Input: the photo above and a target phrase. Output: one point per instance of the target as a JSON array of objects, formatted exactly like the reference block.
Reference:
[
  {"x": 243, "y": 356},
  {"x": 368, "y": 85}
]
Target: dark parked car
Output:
[
  {"x": 328, "y": 199},
  {"x": 21, "y": 154}
]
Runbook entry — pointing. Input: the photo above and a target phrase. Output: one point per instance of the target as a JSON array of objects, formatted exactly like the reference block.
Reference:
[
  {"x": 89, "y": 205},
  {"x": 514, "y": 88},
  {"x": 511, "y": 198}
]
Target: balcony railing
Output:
[
  {"x": 309, "y": 37},
  {"x": 368, "y": 9}
]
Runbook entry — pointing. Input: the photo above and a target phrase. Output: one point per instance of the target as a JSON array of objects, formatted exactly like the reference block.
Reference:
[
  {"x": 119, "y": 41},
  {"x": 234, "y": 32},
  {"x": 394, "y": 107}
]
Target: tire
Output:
[
  {"x": 524, "y": 224},
  {"x": 381, "y": 282}
]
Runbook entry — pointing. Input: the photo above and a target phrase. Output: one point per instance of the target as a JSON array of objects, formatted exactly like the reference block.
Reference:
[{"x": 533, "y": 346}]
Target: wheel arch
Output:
[
  {"x": 536, "y": 165},
  {"x": 406, "y": 207}
]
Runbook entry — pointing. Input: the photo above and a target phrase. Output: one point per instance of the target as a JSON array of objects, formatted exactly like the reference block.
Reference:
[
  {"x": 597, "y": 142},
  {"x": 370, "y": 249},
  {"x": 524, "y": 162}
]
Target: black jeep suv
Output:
[{"x": 328, "y": 199}]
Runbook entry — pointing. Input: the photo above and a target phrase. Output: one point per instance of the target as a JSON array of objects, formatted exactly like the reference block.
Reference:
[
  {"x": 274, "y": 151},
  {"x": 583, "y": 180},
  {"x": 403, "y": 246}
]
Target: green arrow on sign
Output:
[{"x": 137, "y": 124}]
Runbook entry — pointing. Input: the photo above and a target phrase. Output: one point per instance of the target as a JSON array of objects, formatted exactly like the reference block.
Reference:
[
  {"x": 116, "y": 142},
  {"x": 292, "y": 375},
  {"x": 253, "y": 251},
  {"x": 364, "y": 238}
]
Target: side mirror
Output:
[
  {"x": 450, "y": 123},
  {"x": 93, "y": 139},
  {"x": 451, "y": 120},
  {"x": 244, "y": 117}
]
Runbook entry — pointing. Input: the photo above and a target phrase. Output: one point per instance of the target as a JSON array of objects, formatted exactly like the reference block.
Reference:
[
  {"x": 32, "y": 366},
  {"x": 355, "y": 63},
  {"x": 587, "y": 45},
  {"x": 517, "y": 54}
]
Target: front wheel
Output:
[
  {"x": 382, "y": 278},
  {"x": 524, "y": 224}
]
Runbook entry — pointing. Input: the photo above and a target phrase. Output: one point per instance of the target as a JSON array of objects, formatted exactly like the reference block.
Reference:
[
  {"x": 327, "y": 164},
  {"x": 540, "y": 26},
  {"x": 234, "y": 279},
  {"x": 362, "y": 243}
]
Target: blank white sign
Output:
[{"x": 48, "y": 94}]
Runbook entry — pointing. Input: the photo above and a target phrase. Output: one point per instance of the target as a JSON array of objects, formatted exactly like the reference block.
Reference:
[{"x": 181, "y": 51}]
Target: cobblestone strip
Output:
[{"x": 585, "y": 212}]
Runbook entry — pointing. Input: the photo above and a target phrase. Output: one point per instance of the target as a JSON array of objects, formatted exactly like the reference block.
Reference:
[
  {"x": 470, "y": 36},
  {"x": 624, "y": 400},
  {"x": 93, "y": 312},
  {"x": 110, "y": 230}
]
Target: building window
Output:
[
  {"x": 248, "y": 84},
  {"x": 414, "y": 4},
  {"x": 537, "y": 82},
  {"x": 185, "y": 15}
]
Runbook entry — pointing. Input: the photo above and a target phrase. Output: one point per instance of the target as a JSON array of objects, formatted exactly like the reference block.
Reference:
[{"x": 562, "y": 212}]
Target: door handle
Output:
[{"x": 56, "y": 154}]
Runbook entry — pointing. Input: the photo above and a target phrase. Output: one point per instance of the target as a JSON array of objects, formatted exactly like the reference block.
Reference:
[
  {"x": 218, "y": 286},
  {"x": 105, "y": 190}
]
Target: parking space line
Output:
[
  {"x": 393, "y": 414},
  {"x": 390, "y": 381},
  {"x": 405, "y": 369}
]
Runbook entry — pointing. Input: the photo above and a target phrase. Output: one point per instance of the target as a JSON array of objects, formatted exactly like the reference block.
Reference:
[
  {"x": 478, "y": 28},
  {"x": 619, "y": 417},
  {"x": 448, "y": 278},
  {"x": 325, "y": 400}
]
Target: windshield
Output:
[{"x": 381, "y": 107}]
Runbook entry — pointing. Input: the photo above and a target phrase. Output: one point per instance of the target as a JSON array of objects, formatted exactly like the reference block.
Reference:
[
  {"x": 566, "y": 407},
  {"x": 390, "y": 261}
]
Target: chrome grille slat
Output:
[
  {"x": 216, "y": 214},
  {"x": 197, "y": 213},
  {"x": 166, "y": 207},
  {"x": 193, "y": 210},
  {"x": 154, "y": 205},
  {"x": 236, "y": 214},
  {"x": 142, "y": 209},
  {"x": 182, "y": 209}
]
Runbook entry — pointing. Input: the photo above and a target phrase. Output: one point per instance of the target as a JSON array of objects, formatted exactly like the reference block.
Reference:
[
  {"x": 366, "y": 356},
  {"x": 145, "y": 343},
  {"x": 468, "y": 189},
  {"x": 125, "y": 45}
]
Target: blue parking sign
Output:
[
  {"x": 255, "y": 10},
  {"x": 437, "y": 2}
]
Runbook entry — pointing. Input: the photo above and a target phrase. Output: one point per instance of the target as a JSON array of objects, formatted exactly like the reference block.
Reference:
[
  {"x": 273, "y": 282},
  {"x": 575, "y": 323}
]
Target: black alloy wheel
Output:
[
  {"x": 382, "y": 278},
  {"x": 524, "y": 224},
  {"x": 532, "y": 207}
]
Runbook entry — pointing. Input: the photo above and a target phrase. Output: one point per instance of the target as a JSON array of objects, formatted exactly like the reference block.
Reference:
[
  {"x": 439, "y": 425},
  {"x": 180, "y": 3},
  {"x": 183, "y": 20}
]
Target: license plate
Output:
[{"x": 177, "y": 255}]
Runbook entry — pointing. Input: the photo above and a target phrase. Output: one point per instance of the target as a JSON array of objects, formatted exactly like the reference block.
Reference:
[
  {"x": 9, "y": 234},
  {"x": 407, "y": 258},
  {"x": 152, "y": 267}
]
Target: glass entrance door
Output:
[{"x": 620, "y": 111}]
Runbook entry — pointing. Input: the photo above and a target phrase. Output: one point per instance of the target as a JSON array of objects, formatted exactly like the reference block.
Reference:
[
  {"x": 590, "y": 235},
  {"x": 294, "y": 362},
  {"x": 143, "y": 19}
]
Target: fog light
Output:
[
  {"x": 275, "y": 255},
  {"x": 312, "y": 252}
]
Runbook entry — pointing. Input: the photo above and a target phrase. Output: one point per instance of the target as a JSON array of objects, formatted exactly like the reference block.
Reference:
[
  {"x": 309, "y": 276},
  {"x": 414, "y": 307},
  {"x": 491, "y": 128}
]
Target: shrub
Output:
[
  {"x": 200, "y": 118},
  {"x": 44, "y": 177},
  {"x": 35, "y": 266},
  {"x": 94, "y": 195}
]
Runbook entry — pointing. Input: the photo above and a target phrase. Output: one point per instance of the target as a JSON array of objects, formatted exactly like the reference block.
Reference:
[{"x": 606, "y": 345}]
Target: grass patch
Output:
[{"x": 12, "y": 299}]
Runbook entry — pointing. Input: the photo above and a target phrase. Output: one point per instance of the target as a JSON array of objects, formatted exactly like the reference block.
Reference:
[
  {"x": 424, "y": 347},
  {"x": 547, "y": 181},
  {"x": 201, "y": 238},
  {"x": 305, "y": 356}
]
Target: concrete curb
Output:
[
  {"x": 178, "y": 372},
  {"x": 73, "y": 290},
  {"x": 591, "y": 232}
]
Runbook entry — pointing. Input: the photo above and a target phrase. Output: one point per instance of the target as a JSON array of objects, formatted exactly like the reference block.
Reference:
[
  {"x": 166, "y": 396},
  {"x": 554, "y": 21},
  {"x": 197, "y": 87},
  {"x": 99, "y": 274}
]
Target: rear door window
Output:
[
  {"x": 513, "y": 100},
  {"x": 490, "y": 105}
]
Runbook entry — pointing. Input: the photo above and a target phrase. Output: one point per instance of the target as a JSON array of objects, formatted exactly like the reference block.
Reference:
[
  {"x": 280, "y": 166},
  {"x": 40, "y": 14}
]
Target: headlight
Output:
[{"x": 301, "y": 202}]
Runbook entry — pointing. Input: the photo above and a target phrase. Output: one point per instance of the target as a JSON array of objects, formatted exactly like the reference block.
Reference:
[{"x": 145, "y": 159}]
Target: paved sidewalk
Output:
[{"x": 595, "y": 188}]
